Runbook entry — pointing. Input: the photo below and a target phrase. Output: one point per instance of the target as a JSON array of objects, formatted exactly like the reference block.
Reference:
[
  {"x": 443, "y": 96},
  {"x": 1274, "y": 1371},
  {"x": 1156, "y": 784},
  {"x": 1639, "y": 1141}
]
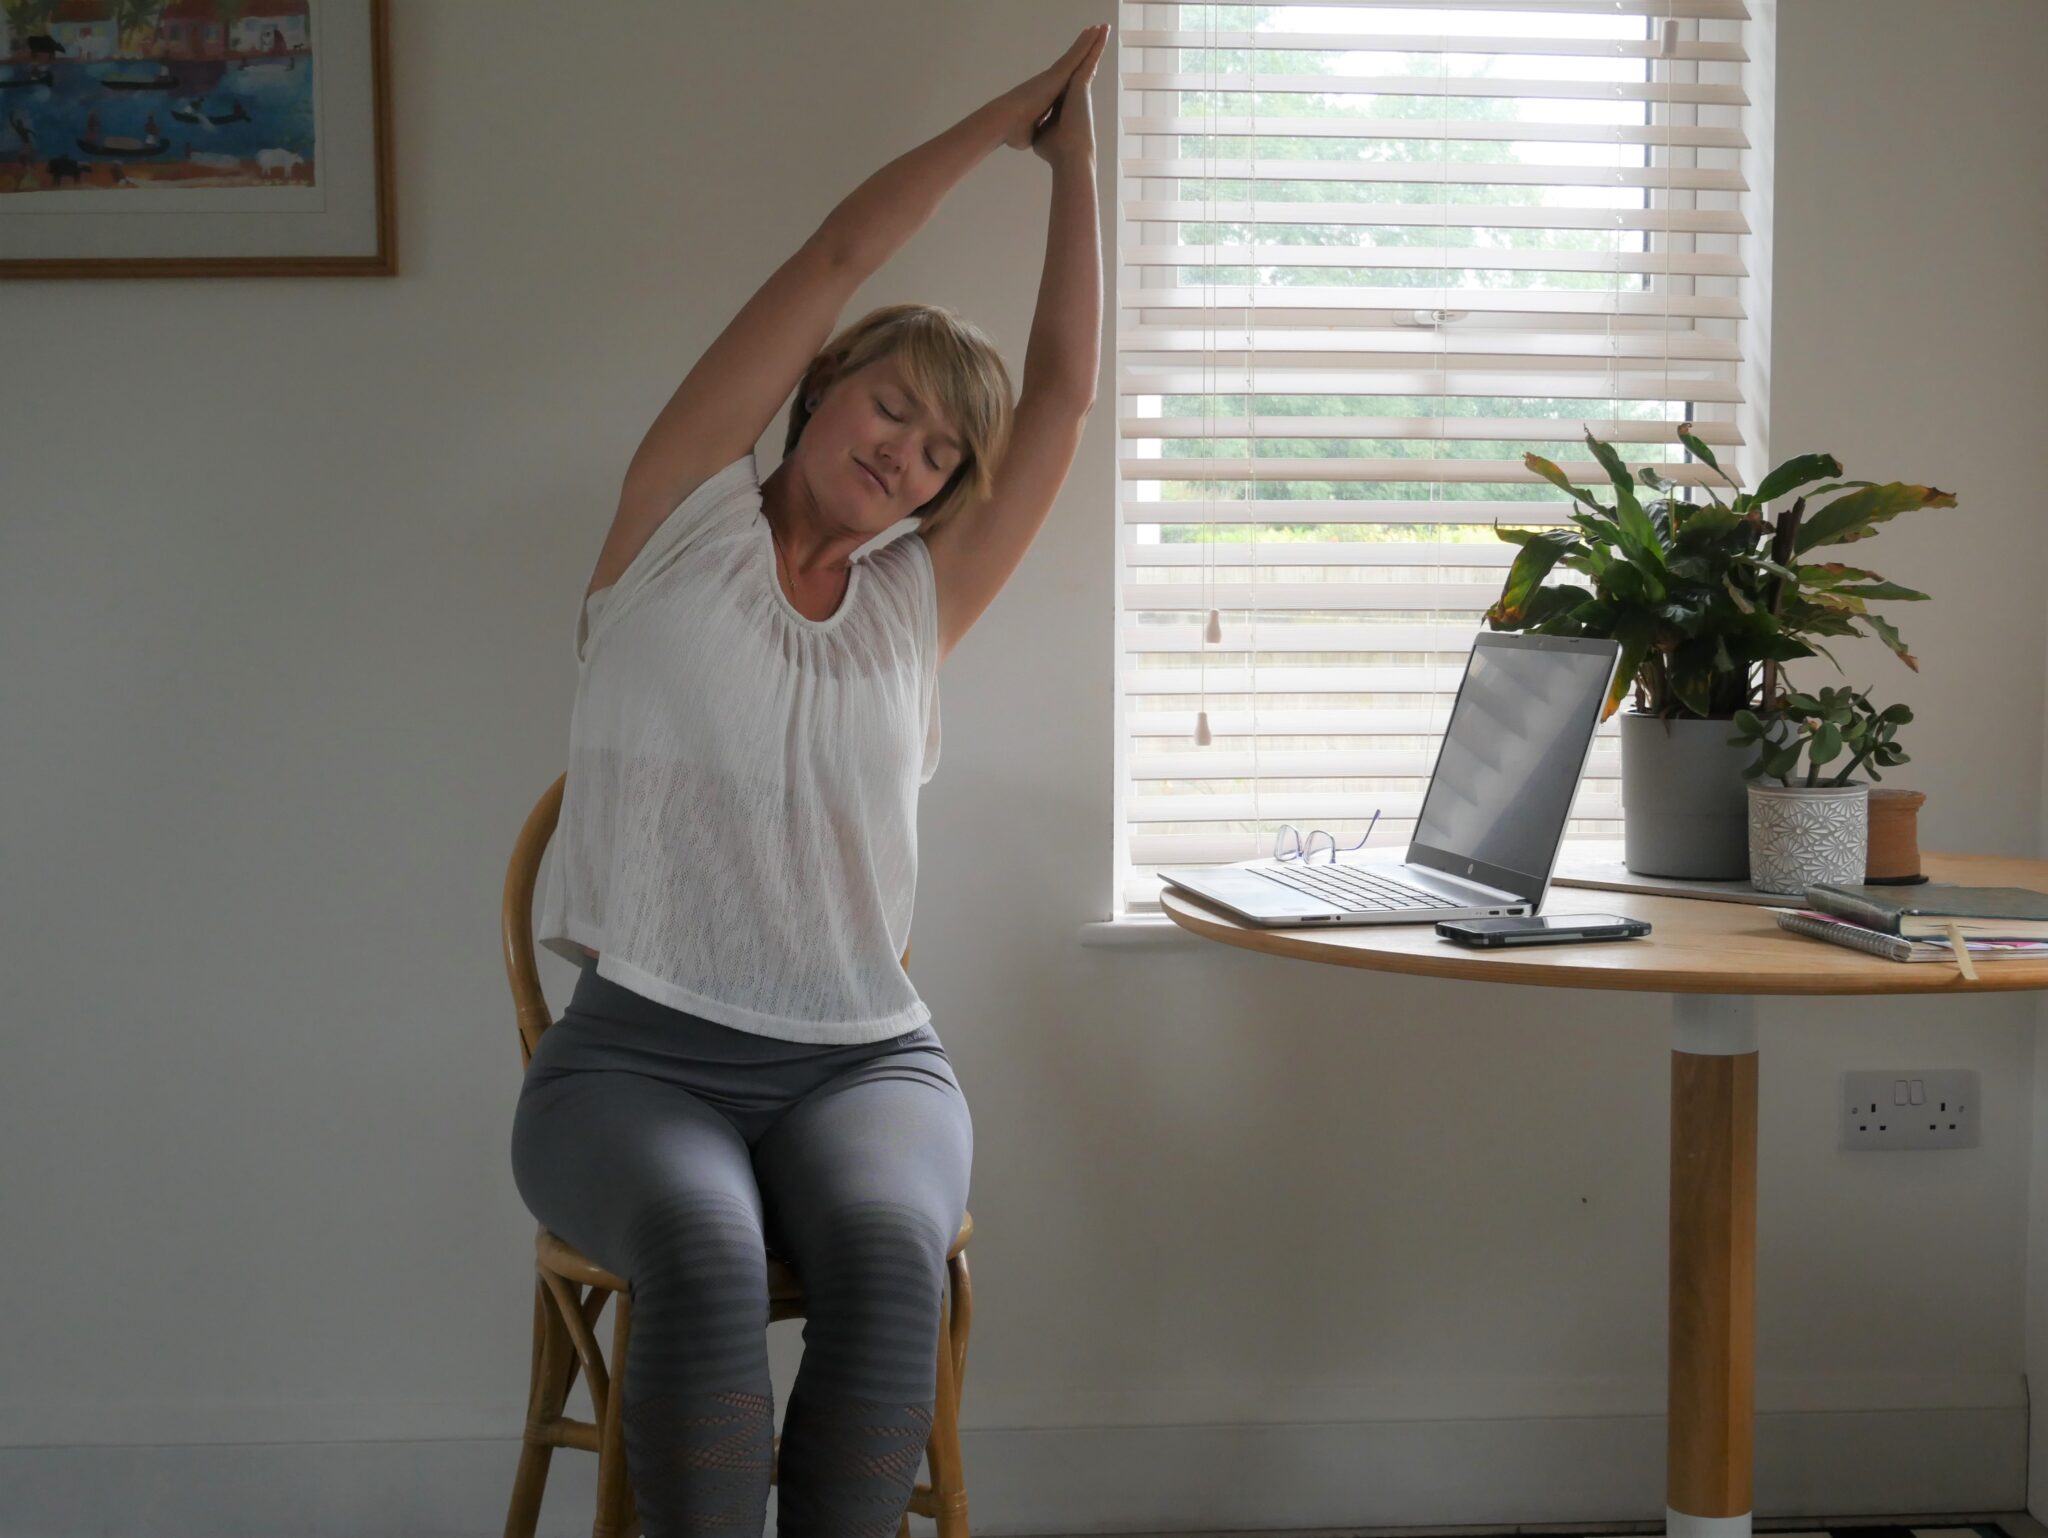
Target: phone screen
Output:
[{"x": 1546, "y": 921}]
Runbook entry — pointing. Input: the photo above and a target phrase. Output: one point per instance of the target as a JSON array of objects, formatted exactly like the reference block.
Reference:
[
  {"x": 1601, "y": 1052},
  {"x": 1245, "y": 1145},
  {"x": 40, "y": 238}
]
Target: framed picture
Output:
[{"x": 195, "y": 138}]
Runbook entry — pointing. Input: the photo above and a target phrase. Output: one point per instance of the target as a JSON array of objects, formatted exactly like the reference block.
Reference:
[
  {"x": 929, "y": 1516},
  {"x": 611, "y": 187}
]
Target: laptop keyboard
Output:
[{"x": 1351, "y": 887}]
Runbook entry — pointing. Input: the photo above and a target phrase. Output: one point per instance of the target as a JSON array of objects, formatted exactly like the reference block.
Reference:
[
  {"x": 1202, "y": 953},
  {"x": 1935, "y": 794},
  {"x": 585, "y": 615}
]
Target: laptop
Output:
[{"x": 1492, "y": 818}]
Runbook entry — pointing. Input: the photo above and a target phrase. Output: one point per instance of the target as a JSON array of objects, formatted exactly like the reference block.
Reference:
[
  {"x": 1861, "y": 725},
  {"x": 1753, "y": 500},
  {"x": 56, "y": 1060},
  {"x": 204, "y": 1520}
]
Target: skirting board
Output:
[{"x": 1085, "y": 1480}]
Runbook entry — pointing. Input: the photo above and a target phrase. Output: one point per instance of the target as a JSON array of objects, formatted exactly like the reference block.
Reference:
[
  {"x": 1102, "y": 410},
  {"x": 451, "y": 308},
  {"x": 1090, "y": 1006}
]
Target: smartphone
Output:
[{"x": 1542, "y": 929}]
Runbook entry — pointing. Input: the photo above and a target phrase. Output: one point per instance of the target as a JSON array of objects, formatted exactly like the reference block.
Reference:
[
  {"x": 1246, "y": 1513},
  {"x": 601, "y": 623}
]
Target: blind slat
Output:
[
  {"x": 1484, "y": 174},
  {"x": 1299, "y": 764},
  {"x": 1451, "y": 43},
  {"x": 1365, "y": 125},
  {"x": 1686, "y": 93},
  {"x": 1690, "y": 383},
  {"x": 1453, "y": 259},
  {"x": 1324, "y": 808},
  {"x": 1360, "y": 511},
  {"x": 1353, "y": 346},
  {"x": 1526, "y": 429},
  {"x": 1338, "y": 597},
  {"x": 1486, "y": 471},
  {"x": 1491, "y": 552},
  {"x": 1711, "y": 10},
  {"x": 1456, "y": 216},
  {"x": 1289, "y": 633}
]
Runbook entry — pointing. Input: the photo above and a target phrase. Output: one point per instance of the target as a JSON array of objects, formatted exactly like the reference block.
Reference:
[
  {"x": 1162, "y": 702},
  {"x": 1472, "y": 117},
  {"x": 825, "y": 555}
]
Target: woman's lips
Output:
[{"x": 873, "y": 477}]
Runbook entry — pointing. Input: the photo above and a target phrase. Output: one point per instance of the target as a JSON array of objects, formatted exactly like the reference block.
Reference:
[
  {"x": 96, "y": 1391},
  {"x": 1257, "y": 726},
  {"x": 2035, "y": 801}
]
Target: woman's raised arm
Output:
[
  {"x": 973, "y": 557},
  {"x": 732, "y": 393}
]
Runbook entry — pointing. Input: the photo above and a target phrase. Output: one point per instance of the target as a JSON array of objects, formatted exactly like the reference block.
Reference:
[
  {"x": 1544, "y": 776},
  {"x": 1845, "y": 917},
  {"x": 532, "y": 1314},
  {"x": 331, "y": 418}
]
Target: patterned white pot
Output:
[{"x": 1802, "y": 834}]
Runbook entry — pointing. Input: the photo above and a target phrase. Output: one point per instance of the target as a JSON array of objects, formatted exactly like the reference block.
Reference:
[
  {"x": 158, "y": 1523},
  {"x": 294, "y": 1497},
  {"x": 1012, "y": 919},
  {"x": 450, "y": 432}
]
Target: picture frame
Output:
[{"x": 195, "y": 138}]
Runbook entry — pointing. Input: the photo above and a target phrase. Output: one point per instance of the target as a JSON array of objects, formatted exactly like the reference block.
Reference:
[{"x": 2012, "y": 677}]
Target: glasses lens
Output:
[
  {"x": 1309, "y": 850},
  {"x": 1287, "y": 842}
]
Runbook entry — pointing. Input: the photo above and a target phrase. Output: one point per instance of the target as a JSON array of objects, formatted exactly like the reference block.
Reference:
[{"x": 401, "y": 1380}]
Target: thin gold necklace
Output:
[{"x": 782, "y": 566}]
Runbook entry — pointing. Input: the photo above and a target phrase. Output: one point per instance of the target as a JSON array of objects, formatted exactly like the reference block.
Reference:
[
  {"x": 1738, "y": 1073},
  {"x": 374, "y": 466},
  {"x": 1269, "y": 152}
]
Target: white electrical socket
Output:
[{"x": 1909, "y": 1108}]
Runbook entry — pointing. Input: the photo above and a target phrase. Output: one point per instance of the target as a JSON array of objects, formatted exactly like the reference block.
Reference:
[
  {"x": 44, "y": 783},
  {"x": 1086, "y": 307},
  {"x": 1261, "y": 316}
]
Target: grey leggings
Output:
[{"x": 676, "y": 1152}]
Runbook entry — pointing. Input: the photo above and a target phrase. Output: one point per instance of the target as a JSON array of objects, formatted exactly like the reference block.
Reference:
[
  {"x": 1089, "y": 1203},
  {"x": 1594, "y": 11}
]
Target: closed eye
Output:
[{"x": 895, "y": 418}]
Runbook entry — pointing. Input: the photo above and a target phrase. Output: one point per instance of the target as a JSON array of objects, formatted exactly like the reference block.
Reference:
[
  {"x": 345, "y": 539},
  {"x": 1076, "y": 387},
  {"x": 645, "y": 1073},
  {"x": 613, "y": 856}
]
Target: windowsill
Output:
[{"x": 1148, "y": 932}]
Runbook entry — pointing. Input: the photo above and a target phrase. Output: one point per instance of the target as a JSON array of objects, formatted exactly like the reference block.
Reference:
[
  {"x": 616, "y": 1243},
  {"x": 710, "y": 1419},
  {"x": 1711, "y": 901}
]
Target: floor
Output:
[{"x": 1943, "y": 1525}]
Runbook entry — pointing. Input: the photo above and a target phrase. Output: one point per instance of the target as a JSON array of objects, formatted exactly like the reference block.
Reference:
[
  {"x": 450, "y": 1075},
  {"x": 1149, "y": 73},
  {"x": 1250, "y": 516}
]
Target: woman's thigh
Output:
[
  {"x": 603, "y": 1157},
  {"x": 893, "y": 1133}
]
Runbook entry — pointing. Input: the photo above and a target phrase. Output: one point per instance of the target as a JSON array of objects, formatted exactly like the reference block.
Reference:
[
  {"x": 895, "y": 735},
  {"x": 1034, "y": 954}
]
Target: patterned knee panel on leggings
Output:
[
  {"x": 699, "y": 1406},
  {"x": 850, "y": 1455}
]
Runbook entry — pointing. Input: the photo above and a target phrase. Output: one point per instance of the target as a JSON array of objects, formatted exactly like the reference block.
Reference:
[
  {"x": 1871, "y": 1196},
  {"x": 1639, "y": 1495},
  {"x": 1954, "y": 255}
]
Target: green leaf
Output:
[
  {"x": 1827, "y": 744},
  {"x": 1513, "y": 536},
  {"x": 1560, "y": 480},
  {"x": 1829, "y": 573},
  {"x": 1547, "y": 605},
  {"x": 1532, "y": 564},
  {"x": 1638, "y": 535},
  {"x": 1636, "y": 635},
  {"x": 1877, "y": 590},
  {"x": 1631, "y": 584},
  {"x": 1890, "y": 636},
  {"x": 1702, "y": 453},
  {"x": 1600, "y": 530},
  {"x": 1590, "y": 561},
  {"x": 1750, "y": 724},
  {"x": 1809, "y": 619},
  {"x": 1695, "y": 689},
  {"x": 1851, "y": 517},
  {"x": 1796, "y": 471},
  {"x": 1766, "y": 564},
  {"x": 1711, "y": 522}
]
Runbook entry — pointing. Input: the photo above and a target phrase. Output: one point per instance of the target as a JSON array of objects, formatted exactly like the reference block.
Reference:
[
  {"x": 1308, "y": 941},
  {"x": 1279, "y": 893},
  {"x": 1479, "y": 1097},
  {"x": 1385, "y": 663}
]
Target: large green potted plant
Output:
[{"x": 1707, "y": 598}]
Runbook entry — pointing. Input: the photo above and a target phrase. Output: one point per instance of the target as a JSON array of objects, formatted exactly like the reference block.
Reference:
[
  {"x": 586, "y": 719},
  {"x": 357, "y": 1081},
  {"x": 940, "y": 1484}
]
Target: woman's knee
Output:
[
  {"x": 710, "y": 1241},
  {"x": 875, "y": 1245}
]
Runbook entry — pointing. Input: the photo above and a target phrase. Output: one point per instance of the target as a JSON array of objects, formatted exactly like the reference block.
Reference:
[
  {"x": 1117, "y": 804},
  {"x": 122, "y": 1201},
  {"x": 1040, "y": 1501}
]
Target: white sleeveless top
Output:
[{"x": 738, "y": 835}]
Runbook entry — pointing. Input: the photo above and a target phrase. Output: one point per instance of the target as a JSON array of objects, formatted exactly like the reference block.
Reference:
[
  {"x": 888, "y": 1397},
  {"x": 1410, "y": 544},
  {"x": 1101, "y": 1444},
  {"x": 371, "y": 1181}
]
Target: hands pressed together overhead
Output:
[{"x": 1051, "y": 113}]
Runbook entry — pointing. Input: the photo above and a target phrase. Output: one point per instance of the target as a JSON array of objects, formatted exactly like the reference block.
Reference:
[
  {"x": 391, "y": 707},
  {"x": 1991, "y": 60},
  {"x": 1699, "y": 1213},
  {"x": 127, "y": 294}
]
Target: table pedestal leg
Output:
[{"x": 1712, "y": 1384}]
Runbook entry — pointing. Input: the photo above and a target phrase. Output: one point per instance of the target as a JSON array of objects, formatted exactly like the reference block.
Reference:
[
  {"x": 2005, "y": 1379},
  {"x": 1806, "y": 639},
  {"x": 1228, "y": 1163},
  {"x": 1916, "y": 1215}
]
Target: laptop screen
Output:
[{"x": 1511, "y": 759}]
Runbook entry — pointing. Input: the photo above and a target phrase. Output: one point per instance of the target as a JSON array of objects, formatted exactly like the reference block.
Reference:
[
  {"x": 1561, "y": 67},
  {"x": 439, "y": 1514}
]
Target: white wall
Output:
[{"x": 287, "y": 578}]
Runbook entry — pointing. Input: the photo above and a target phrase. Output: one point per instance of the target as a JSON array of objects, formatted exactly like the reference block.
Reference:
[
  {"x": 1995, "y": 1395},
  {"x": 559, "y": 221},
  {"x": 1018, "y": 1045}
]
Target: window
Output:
[{"x": 1371, "y": 254}]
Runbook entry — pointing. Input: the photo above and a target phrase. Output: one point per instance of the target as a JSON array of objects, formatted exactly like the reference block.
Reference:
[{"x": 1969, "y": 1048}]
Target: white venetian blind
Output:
[{"x": 1371, "y": 253}]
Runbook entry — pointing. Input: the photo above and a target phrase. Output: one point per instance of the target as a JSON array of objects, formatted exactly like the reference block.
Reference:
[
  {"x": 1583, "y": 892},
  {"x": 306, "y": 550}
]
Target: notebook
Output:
[
  {"x": 1821, "y": 926},
  {"x": 1980, "y": 912}
]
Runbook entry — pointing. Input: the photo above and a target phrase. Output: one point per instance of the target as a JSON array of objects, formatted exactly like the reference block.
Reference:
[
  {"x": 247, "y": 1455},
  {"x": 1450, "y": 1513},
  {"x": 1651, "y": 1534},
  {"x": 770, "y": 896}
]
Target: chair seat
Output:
[{"x": 557, "y": 1255}]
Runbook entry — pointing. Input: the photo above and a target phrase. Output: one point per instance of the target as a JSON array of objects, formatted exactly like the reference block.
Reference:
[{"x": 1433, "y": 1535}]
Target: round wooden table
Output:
[{"x": 1714, "y": 959}]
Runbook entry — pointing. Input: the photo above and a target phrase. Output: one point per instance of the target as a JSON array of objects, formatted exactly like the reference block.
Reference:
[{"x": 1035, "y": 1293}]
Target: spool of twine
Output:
[{"x": 1894, "y": 834}]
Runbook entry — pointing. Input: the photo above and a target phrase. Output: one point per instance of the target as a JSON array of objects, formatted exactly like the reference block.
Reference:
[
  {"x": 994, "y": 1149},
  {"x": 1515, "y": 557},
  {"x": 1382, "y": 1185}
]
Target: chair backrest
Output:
[{"x": 522, "y": 875}]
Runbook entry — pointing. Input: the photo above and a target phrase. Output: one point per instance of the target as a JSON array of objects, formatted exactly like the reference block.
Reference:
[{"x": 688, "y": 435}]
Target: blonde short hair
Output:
[{"x": 954, "y": 371}]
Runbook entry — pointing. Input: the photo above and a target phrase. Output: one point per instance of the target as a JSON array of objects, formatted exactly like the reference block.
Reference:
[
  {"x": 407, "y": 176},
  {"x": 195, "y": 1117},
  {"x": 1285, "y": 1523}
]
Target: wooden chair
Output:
[{"x": 571, "y": 1290}]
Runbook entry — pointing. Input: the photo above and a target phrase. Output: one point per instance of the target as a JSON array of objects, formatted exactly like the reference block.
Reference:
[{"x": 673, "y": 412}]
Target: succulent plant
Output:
[{"x": 1823, "y": 727}]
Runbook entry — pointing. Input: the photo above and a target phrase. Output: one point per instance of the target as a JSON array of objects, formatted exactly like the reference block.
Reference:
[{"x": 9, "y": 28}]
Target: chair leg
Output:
[
  {"x": 616, "y": 1515},
  {"x": 963, "y": 1320},
  {"x": 546, "y": 1391},
  {"x": 949, "y": 1489}
]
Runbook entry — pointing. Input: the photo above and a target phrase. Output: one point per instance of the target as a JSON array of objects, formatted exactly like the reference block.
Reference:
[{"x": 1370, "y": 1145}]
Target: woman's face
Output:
[{"x": 873, "y": 452}]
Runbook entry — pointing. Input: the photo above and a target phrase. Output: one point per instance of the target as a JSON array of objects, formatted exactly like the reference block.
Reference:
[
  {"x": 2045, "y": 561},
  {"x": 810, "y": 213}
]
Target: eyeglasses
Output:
[{"x": 1288, "y": 844}]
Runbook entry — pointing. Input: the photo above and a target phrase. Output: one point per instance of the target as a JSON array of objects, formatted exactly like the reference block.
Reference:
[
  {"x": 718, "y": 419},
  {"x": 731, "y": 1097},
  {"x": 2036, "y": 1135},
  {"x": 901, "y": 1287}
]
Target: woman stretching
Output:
[{"x": 744, "y": 1066}]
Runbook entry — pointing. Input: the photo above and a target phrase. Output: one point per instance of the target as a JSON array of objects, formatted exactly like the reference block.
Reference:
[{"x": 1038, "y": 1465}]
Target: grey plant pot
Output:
[
  {"x": 1683, "y": 802},
  {"x": 1802, "y": 834}
]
